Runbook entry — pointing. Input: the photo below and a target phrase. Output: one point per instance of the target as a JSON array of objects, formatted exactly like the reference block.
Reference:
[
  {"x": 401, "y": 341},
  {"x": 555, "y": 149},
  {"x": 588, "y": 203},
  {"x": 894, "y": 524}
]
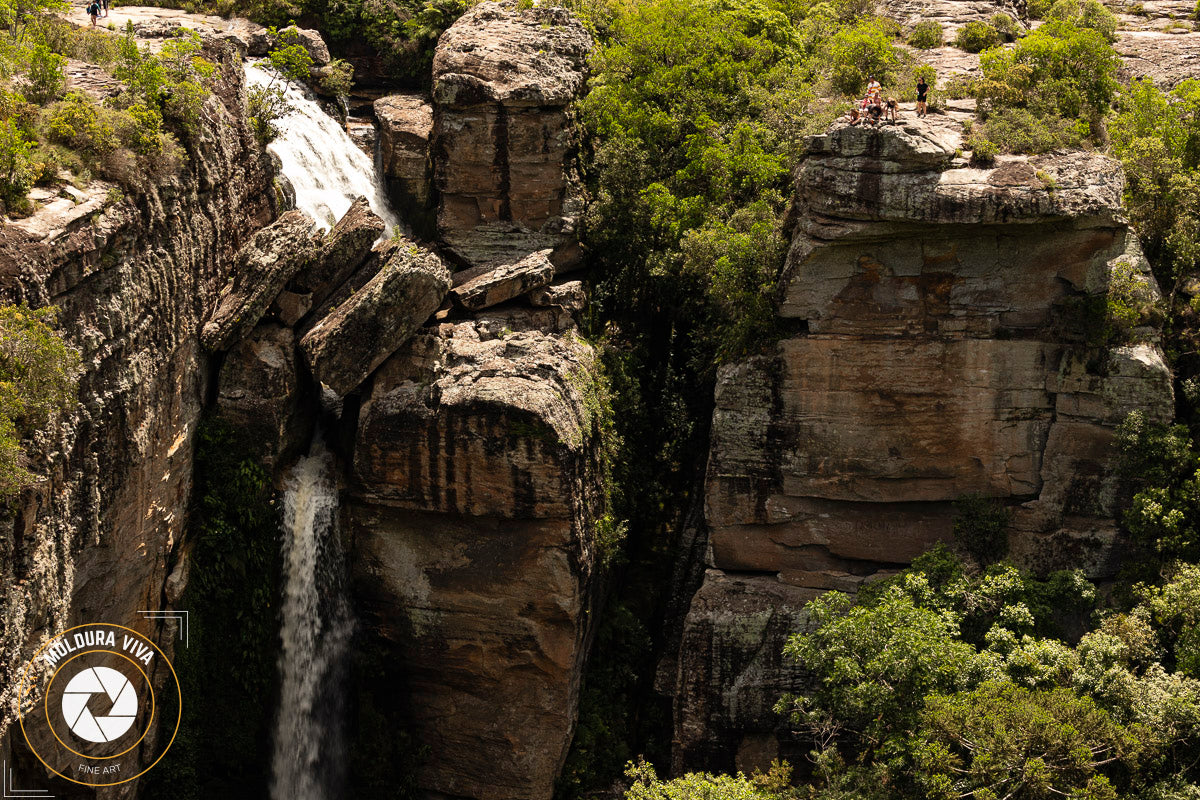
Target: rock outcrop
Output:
[
  {"x": 945, "y": 347},
  {"x": 502, "y": 139},
  {"x": 405, "y": 127},
  {"x": 473, "y": 553},
  {"x": 133, "y": 279},
  {"x": 261, "y": 394}
]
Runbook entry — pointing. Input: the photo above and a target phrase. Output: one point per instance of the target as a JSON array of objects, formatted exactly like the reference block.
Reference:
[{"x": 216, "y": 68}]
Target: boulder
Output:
[
  {"x": 501, "y": 282},
  {"x": 343, "y": 251},
  {"x": 568, "y": 295},
  {"x": 312, "y": 42},
  {"x": 259, "y": 393},
  {"x": 262, "y": 268},
  {"x": 346, "y": 346},
  {"x": 502, "y": 138}
]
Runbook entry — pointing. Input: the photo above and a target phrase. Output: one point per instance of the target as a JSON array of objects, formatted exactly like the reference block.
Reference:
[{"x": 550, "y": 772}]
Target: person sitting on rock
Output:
[
  {"x": 922, "y": 91},
  {"x": 875, "y": 111},
  {"x": 853, "y": 116}
]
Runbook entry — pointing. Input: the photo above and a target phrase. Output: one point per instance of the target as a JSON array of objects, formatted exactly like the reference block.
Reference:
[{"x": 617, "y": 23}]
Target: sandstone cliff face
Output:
[
  {"x": 471, "y": 522},
  {"x": 501, "y": 136},
  {"x": 942, "y": 351},
  {"x": 134, "y": 279}
]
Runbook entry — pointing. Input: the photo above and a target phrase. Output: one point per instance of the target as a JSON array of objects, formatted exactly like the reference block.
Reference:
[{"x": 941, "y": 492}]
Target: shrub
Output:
[
  {"x": 45, "y": 79},
  {"x": 37, "y": 379},
  {"x": 1085, "y": 14},
  {"x": 983, "y": 151},
  {"x": 981, "y": 527},
  {"x": 16, "y": 172},
  {"x": 265, "y": 106},
  {"x": 1006, "y": 26},
  {"x": 338, "y": 78},
  {"x": 1018, "y": 130},
  {"x": 976, "y": 36},
  {"x": 926, "y": 35},
  {"x": 860, "y": 53}
]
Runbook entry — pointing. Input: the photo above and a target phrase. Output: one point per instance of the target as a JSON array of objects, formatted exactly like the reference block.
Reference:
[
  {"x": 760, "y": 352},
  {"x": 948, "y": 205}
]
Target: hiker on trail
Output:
[
  {"x": 93, "y": 11},
  {"x": 922, "y": 91}
]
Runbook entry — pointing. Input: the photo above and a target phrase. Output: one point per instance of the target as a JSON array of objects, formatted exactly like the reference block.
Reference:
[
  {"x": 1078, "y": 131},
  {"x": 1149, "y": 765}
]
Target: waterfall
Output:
[
  {"x": 326, "y": 168},
  {"x": 309, "y": 758}
]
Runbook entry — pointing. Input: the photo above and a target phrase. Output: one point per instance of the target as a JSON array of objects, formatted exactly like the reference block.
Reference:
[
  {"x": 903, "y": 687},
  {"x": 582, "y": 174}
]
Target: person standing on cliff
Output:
[{"x": 922, "y": 91}]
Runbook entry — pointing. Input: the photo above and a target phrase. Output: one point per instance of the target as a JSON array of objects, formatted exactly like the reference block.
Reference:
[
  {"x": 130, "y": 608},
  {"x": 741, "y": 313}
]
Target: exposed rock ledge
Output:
[{"x": 942, "y": 351}]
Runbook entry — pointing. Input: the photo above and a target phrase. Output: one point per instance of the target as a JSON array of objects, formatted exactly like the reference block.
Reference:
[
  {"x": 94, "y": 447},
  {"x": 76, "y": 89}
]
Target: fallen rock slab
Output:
[
  {"x": 261, "y": 270},
  {"x": 346, "y": 346},
  {"x": 505, "y": 281},
  {"x": 344, "y": 250}
]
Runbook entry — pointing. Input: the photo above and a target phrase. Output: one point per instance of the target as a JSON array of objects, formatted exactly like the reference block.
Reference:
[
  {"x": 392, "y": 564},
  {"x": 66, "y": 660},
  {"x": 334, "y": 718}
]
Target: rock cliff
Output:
[
  {"x": 134, "y": 277},
  {"x": 949, "y": 339}
]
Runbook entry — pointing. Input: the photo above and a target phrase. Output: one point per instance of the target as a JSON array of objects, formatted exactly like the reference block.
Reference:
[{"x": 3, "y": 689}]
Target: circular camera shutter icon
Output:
[{"x": 120, "y": 692}]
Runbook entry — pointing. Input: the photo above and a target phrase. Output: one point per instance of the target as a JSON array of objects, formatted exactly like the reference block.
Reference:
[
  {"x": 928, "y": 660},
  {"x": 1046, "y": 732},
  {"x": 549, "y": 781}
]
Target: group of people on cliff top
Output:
[
  {"x": 874, "y": 110},
  {"x": 94, "y": 7}
]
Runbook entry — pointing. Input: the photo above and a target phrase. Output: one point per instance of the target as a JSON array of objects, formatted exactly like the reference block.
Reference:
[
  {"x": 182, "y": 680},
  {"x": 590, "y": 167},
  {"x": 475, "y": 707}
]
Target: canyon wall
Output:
[
  {"x": 949, "y": 338},
  {"x": 133, "y": 277}
]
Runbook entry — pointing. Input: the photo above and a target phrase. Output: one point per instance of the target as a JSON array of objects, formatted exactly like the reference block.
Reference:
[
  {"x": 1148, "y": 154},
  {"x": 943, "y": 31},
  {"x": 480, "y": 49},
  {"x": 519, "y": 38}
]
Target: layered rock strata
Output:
[
  {"x": 502, "y": 139},
  {"x": 133, "y": 279},
  {"x": 950, "y": 341}
]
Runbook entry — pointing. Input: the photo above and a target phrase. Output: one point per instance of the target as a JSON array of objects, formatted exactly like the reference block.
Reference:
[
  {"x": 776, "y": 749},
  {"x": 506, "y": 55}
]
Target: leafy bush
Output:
[
  {"x": 265, "y": 106},
  {"x": 976, "y": 36},
  {"x": 926, "y": 35},
  {"x": 338, "y": 78},
  {"x": 16, "y": 173},
  {"x": 860, "y": 53},
  {"x": 45, "y": 79},
  {"x": 1085, "y": 14},
  {"x": 1008, "y": 28},
  {"x": 983, "y": 151},
  {"x": 38, "y": 373}
]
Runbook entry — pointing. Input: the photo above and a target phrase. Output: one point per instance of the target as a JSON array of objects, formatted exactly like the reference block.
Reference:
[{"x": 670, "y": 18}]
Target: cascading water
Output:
[
  {"x": 309, "y": 757},
  {"x": 325, "y": 167}
]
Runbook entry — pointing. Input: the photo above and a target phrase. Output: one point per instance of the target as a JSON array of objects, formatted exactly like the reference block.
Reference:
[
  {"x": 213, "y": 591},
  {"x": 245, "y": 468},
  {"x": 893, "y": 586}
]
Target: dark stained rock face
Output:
[
  {"x": 260, "y": 394},
  {"x": 473, "y": 552}
]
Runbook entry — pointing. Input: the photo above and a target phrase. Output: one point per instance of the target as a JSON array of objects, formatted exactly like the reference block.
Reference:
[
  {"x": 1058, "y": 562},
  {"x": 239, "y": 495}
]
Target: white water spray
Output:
[
  {"x": 325, "y": 166},
  {"x": 309, "y": 758}
]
